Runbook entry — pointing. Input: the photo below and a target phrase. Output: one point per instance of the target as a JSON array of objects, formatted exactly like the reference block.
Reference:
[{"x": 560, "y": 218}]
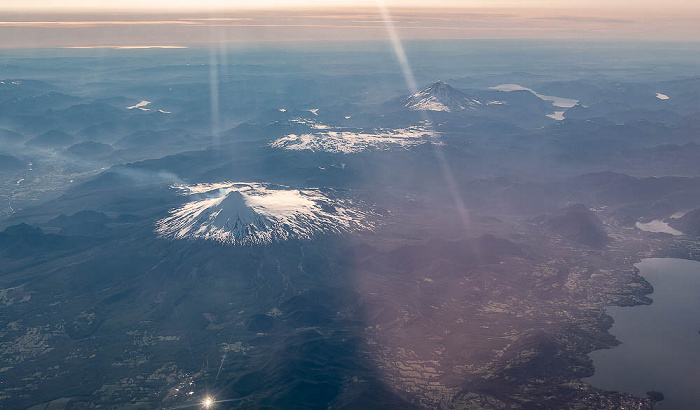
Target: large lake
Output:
[{"x": 660, "y": 347}]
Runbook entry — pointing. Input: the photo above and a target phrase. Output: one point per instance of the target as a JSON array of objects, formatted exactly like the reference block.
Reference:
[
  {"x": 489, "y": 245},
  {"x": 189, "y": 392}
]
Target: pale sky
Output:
[
  {"x": 182, "y": 23},
  {"x": 174, "y": 5}
]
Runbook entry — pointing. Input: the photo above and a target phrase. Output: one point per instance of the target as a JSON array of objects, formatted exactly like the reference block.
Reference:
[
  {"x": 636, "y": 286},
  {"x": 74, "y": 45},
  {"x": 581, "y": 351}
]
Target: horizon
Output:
[
  {"x": 227, "y": 5},
  {"x": 184, "y": 28}
]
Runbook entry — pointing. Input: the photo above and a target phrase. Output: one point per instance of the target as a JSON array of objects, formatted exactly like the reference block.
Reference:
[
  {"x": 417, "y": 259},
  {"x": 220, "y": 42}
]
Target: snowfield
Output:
[
  {"x": 340, "y": 140},
  {"x": 249, "y": 213}
]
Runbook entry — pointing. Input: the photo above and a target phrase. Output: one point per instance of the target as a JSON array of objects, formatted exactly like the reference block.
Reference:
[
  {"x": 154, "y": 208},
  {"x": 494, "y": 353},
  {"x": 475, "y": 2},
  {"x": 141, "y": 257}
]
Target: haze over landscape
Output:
[{"x": 390, "y": 205}]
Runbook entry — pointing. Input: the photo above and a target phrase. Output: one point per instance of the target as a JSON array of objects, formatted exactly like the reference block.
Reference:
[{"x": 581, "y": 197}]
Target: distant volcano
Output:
[
  {"x": 239, "y": 213},
  {"x": 440, "y": 97}
]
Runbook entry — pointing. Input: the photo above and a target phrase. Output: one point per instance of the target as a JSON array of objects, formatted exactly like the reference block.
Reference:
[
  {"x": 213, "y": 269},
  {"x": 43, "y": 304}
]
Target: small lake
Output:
[
  {"x": 660, "y": 347},
  {"x": 560, "y": 102},
  {"x": 658, "y": 226},
  {"x": 556, "y": 101}
]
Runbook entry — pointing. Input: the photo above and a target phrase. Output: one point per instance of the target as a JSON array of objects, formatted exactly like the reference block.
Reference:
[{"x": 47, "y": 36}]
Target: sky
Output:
[
  {"x": 173, "y": 5},
  {"x": 184, "y": 23}
]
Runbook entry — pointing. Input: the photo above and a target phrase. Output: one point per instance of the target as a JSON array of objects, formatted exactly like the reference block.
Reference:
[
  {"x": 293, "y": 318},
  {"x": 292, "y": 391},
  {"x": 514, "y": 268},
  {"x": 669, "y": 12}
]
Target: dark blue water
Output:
[{"x": 660, "y": 347}]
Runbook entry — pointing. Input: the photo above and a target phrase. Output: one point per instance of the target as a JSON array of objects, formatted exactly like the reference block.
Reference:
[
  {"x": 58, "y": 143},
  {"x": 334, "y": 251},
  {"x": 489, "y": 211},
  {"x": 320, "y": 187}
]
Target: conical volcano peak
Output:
[
  {"x": 439, "y": 84},
  {"x": 247, "y": 213},
  {"x": 440, "y": 96},
  {"x": 441, "y": 88}
]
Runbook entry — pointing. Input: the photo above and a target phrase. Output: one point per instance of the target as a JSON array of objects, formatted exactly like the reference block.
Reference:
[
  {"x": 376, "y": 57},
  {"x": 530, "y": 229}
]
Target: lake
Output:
[
  {"x": 660, "y": 347},
  {"x": 658, "y": 226}
]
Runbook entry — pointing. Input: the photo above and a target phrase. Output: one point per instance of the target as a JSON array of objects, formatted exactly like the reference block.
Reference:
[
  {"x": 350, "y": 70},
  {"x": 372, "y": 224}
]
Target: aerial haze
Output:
[{"x": 378, "y": 205}]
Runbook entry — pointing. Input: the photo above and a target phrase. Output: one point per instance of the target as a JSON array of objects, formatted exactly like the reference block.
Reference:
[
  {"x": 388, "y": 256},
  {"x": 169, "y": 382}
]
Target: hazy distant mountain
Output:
[
  {"x": 75, "y": 118},
  {"x": 689, "y": 223},
  {"x": 448, "y": 105},
  {"x": 83, "y": 223},
  {"x": 621, "y": 113},
  {"x": 440, "y": 97},
  {"x": 90, "y": 149},
  {"x": 578, "y": 224},
  {"x": 52, "y": 139},
  {"x": 151, "y": 138},
  {"x": 17, "y": 89},
  {"x": 8, "y": 137},
  {"x": 24, "y": 240},
  {"x": 11, "y": 163},
  {"x": 39, "y": 103}
]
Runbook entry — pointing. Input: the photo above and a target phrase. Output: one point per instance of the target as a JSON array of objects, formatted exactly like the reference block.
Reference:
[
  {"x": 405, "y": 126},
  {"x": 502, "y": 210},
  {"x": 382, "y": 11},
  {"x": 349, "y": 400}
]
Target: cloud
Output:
[
  {"x": 584, "y": 19},
  {"x": 126, "y": 47}
]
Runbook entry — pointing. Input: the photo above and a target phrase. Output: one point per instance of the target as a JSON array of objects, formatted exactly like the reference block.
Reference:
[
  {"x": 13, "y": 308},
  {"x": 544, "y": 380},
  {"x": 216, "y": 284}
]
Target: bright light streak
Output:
[
  {"x": 410, "y": 79},
  {"x": 214, "y": 88},
  {"x": 397, "y": 46},
  {"x": 207, "y": 402}
]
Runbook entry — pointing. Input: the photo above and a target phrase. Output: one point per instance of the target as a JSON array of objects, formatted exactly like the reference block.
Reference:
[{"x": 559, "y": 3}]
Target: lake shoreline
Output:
[{"x": 654, "y": 337}]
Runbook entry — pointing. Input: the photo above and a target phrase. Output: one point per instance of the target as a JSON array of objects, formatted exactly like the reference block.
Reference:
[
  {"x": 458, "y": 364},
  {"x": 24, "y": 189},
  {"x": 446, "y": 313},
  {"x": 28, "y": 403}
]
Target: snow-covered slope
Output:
[
  {"x": 440, "y": 97},
  {"x": 341, "y": 140},
  {"x": 242, "y": 213}
]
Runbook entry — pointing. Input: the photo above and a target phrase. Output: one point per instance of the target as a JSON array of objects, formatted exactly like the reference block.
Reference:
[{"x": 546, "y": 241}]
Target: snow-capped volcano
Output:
[
  {"x": 242, "y": 213},
  {"x": 440, "y": 97}
]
